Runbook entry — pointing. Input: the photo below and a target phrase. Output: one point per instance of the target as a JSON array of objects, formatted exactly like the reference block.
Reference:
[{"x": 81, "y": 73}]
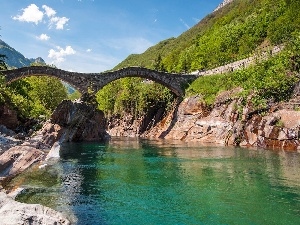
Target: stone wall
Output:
[{"x": 243, "y": 63}]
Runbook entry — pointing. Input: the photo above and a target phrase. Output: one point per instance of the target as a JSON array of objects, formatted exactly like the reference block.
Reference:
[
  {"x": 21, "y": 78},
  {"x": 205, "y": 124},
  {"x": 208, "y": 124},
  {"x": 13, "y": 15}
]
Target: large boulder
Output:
[
  {"x": 17, "y": 159},
  {"x": 74, "y": 121}
]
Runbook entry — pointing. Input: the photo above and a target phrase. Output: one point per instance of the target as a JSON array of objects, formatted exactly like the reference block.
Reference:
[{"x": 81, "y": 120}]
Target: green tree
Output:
[
  {"x": 49, "y": 91},
  {"x": 132, "y": 95},
  {"x": 158, "y": 64},
  {"x": 2, "y": 62},
  {"x": 75, "y": 95},
  {"x": 35, "y": 96}
]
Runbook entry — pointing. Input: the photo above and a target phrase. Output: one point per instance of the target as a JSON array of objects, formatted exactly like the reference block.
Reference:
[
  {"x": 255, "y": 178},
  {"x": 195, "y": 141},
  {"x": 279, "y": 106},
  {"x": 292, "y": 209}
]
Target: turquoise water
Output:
[{"x": 133, "y": 181}]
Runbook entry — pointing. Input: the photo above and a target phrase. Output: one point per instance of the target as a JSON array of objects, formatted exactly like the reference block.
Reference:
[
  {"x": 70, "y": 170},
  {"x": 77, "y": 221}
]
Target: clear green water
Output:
[{"x": 132, "y": 181}]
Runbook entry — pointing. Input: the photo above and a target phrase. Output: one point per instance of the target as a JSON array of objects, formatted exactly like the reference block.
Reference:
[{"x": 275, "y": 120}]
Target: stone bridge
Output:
[{"x": 82, "y": 81}]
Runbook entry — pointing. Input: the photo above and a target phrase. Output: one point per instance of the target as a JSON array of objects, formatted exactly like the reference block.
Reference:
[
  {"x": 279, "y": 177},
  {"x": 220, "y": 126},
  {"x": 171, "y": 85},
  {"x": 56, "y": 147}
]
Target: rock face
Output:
[
  {"x": 128, "y": 126},
  {"x": 125, "y": 126},
  {"x": 194, "y": 121},
  {"x": 278, "y": 130},
  {"x": 12, "y": 213},
  {"x": 226, "y": 123},
  {"x": 74, "y": 121},
  {"x": 8, "y": 117},
  {"x": 17, "y": 159}
]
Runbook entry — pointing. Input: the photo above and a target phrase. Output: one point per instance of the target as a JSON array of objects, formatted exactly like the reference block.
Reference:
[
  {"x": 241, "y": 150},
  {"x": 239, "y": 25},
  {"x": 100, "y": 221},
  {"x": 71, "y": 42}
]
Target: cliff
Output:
[{"x": 225, "y": 123}]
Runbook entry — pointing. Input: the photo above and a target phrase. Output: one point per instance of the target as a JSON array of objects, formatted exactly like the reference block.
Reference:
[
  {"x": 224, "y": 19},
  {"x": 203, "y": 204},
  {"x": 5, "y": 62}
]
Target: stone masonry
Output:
[{"x": 96, "y": 81}]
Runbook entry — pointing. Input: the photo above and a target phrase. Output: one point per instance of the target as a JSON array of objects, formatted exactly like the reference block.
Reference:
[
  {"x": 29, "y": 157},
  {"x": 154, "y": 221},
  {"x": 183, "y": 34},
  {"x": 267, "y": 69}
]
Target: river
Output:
[{"x": 135, "y": 181}]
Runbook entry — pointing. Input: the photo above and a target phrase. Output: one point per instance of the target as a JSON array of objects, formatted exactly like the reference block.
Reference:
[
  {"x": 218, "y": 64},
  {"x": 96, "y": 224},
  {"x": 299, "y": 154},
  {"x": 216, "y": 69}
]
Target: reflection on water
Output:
[{"x": 133, "y": 181}]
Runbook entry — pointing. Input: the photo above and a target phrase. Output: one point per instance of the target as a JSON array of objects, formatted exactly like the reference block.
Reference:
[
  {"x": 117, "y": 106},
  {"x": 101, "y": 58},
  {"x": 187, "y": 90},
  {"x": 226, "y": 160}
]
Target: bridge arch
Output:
[
  {"x": 96, "y": 81},
  {"x": 66, "y": 76}
]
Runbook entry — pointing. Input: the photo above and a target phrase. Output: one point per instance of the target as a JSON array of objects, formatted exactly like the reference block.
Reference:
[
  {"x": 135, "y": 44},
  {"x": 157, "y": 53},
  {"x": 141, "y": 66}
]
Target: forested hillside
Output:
[
  {"x": 235, "y": 31},
  {"x": 238, "y": 30}
]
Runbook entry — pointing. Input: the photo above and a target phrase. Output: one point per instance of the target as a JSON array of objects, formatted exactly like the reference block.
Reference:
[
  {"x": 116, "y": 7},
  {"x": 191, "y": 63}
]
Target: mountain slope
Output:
[
  {"x": 234, "y": 31},
  {"x": 237, "y": 30},
  {"x": 15, "y": 58}
]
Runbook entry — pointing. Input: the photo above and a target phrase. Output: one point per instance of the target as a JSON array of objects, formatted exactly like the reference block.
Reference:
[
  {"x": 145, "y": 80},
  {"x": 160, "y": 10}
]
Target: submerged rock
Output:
[{"x": 12, "y": 212}]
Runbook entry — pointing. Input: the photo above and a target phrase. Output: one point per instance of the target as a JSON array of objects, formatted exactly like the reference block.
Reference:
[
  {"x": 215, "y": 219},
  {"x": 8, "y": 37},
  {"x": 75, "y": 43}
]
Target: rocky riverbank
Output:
[
  {"x": 16, "y": 158},
  {"x": 7, "y": 139},
  {"x": 227, "y": 122},
  {"x": 13, "y": 212},
  {"x": 71, "y": 121}
]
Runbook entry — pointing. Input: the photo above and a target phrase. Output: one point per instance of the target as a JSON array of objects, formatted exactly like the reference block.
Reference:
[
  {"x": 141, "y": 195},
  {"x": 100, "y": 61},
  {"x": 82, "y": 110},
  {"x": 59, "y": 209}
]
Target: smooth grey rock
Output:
[
  {"x": 54, "y": 152},
  {"x": 14, "y": 213}
]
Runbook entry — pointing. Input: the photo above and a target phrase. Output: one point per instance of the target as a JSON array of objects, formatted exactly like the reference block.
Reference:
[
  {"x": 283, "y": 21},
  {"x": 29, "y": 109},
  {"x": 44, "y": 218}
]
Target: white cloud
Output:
[
  {"x": 31, "y": 14},
  {"x": 59, "y": 55},
  {"x": 59, "y": 22},
  {"x": 43, "y": 37},
  {"x": 89, "y": 50},
  {"x": 49, "y": 11}
]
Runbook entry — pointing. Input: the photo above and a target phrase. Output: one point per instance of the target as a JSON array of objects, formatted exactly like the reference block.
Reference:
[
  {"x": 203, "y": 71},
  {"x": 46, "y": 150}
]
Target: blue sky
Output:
[{"x": 94, "y": 35}]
